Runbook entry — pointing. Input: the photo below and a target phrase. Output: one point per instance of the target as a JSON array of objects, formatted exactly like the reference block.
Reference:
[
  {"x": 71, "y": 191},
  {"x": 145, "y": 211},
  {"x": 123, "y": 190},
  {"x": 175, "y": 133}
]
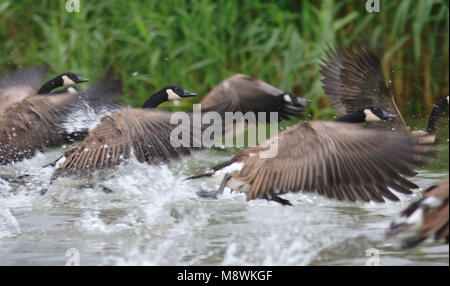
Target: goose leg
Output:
[
  {"x": 107, "y": 190},
  {"x": 281, "y": 201},
  {"x": 53, "y": 164},
  {"x": 213, "y": 195},
  {"x": 15, "y": 180}
]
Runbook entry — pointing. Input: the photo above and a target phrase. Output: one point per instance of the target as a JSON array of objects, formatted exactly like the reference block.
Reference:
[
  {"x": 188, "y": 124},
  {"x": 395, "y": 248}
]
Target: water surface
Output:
[{"x": 154, "y": 217}]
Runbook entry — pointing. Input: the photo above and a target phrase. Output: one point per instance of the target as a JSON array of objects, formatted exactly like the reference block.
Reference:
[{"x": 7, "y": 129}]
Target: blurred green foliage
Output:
[{"x": 199, "y": 43}]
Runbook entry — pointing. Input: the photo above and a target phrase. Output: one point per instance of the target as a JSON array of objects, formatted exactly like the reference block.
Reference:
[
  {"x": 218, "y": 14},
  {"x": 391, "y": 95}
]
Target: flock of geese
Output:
[{"x": 365, "y": 155}]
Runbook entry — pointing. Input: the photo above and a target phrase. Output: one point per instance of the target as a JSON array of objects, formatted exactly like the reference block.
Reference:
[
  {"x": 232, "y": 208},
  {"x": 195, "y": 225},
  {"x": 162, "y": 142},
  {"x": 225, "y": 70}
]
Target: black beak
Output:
[
  {"x": 188, "y": 93},
  {"x": 300, "y": 101},
  {"x": 387, "y": 115},
  {"x": 81, "y": 79}
]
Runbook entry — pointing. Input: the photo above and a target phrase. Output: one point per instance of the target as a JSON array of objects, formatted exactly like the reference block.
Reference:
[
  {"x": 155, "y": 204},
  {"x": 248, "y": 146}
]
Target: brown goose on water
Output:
[
  {"x": 335, "y": 159},
  {"x": 21, "y": 84},
  {"x": 145, "y": 133},
  {"x": 248, "y": 94},
  {"x": 425, "y": 218},
  {"x": 36, "y": 123},
  {"x": 355, "y": 78}
]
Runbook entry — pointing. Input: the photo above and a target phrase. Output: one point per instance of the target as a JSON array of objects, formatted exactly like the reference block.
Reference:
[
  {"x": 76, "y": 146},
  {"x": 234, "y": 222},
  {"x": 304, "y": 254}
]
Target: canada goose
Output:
[
  {"x": 64, "y": 79},
  {"x": 425, "y": 218},
  {"x": 335, "y": 159},
  {"x": 36, "y": 123},
  {"x": 248, "y": 94},
  {"x": 355, "y": 78},
  {"x": 20, "y": 85},
  {"x": 146, "y": 132}
]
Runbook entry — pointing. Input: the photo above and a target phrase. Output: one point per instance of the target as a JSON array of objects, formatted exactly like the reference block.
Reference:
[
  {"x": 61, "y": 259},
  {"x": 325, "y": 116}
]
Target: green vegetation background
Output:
[{"x": 199, "y": 43}]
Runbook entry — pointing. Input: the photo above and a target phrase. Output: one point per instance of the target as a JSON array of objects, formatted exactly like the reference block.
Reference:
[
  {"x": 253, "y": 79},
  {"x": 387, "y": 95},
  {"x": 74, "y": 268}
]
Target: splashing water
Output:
[{"x": 154, "y": 217}]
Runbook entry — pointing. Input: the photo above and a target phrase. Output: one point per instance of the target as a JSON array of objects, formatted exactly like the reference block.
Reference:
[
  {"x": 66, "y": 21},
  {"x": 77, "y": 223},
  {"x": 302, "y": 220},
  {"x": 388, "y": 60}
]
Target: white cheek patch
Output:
[
  {"x": 370, "y": 116},
  {"x": 172, "y": 95},
  {"x": 67, "y": 80},
  {"x": 447, "y": 99},
  {"x": 287, "y": 98}
]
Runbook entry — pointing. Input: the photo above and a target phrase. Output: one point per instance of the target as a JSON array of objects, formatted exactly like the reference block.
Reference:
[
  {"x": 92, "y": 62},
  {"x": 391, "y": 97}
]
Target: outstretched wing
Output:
[
  {"x": 336, "y": 160},
  {"x": 148, "y": 134},
  {"x": 38, "y": 122},
  {"x": 28, "y": 126},
  {"x": 19, "y": 85},
  {"x": 353, "y": 79}
]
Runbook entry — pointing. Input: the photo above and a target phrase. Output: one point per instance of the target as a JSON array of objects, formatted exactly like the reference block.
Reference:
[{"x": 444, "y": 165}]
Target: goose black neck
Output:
[
  {"x": 354, "y": 117},
  {"x": 156, "y": 99},
  {"x": 51, "y": 85},
  {"x": 435, "y": 114}
]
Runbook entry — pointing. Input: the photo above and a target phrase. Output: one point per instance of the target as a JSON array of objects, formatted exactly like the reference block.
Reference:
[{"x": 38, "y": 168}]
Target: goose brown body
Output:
[
  {"x": 355, "y": 78},
  {"x": 427, "y": 217},
  {"x": 337, "y": 160}
]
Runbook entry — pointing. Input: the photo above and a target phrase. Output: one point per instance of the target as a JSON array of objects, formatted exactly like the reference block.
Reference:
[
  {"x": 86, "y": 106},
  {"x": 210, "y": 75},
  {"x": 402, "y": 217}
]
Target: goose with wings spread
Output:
[
  {"x": 145, "y": 133},
  {"x": 36, "y": 122},
  {"x": 355, "y": 78},
  {"x": 338, "y": 160},
  {"x": 427, "y": 217},
  {"x": 248, "y": 94}
]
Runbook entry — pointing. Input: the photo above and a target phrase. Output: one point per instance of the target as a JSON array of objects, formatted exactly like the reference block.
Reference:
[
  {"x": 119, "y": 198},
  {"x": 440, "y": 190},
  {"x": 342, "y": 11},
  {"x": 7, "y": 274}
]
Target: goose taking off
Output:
[
  {"x": 428, "y": 217},
  {"x": 248, "y": 94},
  {"x": 144, "y": 133},
  {"x": 355, "y": 78},
  {"x": 36, "y": 123},
  {"x": 334, "y": 159}
]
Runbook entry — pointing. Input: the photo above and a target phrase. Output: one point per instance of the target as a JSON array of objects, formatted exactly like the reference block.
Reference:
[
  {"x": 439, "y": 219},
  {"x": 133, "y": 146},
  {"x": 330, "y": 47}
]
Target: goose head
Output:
[
  {"x": 368, "y": 113},
  {"x": 374, "y": 113},
  {"x": 290, "y": 98},
  {"x": 64, "y": 79},
  {"x": 176, "y": 92},
  {"x": 70, "y": 79},
  {"x": 170, "y": 92}
]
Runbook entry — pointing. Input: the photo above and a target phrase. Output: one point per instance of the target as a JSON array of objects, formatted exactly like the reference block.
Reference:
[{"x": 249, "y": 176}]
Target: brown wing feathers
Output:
[
  {"x": 28, "y": 126},
  {"x": 354, "y": 78},
  {"x": 335, "y": 160},
  {"x": 145, "y": 133},
  {"x": 248, "y": 94},
  {"x": 36, "y": 122}
]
